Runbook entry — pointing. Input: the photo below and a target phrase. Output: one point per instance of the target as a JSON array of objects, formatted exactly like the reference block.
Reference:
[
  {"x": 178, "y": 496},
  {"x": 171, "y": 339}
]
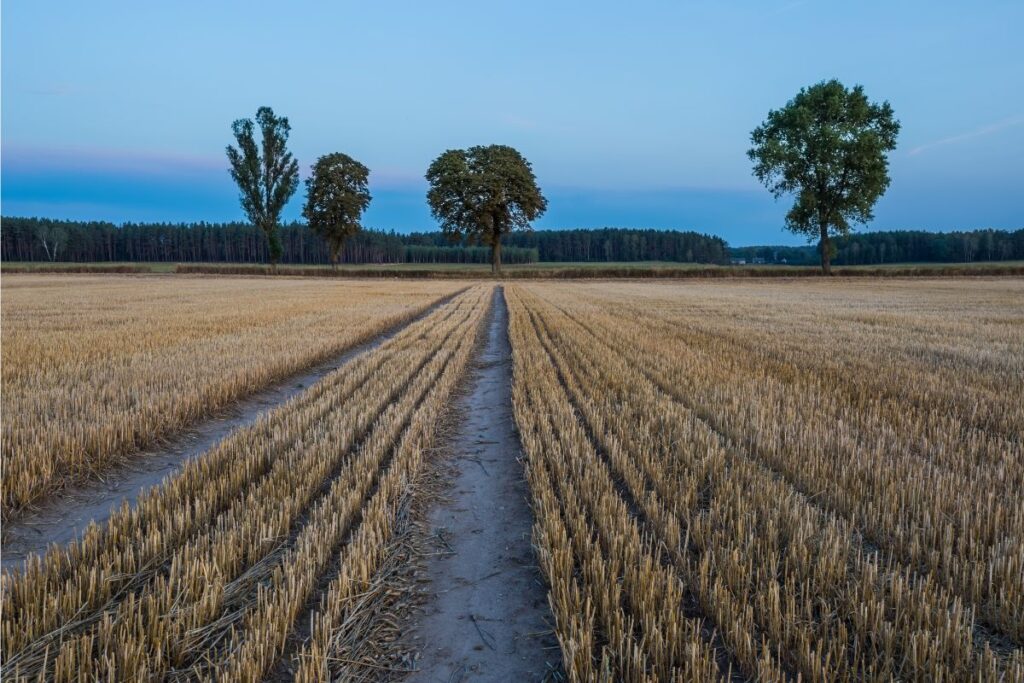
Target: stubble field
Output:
[
  {"x": 818, "y": 480},
  {"x": 96, "y": 367},
  {"x": 743, "y": 480}
]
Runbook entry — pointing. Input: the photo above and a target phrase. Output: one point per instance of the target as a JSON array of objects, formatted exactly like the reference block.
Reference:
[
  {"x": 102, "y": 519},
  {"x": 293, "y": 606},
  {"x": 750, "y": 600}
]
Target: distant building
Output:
[
  {"x": 758, "y": 261},
  {"x": 738, "y": 261}
]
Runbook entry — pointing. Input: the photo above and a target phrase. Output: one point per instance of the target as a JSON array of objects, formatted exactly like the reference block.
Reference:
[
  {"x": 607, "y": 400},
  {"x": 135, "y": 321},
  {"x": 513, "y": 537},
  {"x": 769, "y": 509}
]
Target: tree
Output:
[
  {"x": 265, "y": 181},
  {"x": 483, "y": 193},
  {"x": 53, "y": 237},
  {"x": 828, "y": 146},
  {"x": 336, "y": 196}
]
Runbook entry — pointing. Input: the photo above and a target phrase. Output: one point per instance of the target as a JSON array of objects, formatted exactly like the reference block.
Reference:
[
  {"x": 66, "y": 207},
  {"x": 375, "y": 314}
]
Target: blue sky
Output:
[{"x": 633, "y": 114}]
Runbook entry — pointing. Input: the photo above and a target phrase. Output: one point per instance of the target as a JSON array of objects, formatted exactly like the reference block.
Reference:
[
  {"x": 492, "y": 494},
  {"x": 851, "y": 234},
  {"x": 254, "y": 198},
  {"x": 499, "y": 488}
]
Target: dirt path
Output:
[
  {"x": 69, "y": 512},
  {"x": 486, "y": 616}
]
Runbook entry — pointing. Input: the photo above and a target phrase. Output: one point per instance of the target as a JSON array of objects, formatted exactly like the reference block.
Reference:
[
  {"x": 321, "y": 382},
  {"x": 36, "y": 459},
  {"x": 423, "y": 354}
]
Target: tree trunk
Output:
[
  {"x": 335, "y": 253},
  {"x": 274, "y": 248},
  {"x": 496, "y": 256},
  {"x": 826, "y": 251}
]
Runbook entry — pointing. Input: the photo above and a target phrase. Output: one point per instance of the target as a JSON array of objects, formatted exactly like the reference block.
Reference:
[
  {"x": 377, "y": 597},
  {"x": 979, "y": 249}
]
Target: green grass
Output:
[
  {"x": 980, "y": 265},
  {"x": 48, "y": 266},
  {"x": 163, "y": 267},
  {"x": 546, "y": 265},
  {"x": 638, "y": 269}
]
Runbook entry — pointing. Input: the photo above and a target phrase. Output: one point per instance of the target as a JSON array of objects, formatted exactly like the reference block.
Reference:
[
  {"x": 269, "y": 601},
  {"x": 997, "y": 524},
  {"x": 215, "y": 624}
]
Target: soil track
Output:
[
  {"x": 67, "y": 513},
  {"x": 485, "y": 615}
]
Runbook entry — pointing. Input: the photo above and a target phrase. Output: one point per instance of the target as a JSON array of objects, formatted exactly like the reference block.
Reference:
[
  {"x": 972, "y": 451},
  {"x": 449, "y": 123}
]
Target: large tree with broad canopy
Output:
[{"x": 482, "y": 193}]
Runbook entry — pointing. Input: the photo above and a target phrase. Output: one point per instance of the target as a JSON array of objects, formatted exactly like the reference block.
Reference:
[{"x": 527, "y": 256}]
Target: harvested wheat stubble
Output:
[
  {"x": 207, "y": 575},
  {"x": 805, "y": 513},
  {"x": 95, "y": 368},
  {"x": 64, "y": 516},
  {"x": 731, "y": 481}
]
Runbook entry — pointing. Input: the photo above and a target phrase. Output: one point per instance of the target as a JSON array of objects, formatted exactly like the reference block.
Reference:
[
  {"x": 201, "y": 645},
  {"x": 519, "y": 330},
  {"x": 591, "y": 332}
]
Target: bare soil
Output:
[
  {"x": 485, "y": 614},
  {"x": 67, "y": 513}
]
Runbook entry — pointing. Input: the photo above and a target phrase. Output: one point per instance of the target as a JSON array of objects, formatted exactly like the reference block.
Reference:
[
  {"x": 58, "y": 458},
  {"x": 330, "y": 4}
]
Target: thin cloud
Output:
[
  {"x": 969, "y": 135},
  {"x": 396, "y": 178},
  {"x": 79, "y": 158}
]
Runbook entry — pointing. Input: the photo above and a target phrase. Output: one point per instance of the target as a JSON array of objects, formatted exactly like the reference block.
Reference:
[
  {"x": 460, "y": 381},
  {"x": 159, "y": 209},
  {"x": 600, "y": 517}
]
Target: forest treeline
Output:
[
  {"x": 608, "y": 245},
  {"x": 36, "y": 239},
  {"x": 902, "y": 246}
]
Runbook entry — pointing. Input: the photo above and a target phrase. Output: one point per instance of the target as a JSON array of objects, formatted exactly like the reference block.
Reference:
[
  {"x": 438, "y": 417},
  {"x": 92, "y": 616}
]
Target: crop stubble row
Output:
[
  {"x": 95, "y": 368},
  {"x": 771, "y": 507},
  {"x": 729, "y": 482},
  {"x": 209, "y": 573}
]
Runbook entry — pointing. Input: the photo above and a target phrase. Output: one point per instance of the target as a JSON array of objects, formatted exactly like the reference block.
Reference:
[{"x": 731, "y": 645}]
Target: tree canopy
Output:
[
  {"x": 483, "y": 193},
  {"x": 267, "y": 180},
  {"x": 827, "y": 146},
  {"x": 336, "y": 196}
]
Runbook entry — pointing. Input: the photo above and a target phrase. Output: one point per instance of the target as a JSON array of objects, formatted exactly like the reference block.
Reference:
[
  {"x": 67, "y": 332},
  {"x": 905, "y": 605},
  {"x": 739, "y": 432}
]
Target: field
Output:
[
  {"x": 795, "y": 480},
  {"x": 96, "y": 367},
  {"x": 741, "y": 479}
]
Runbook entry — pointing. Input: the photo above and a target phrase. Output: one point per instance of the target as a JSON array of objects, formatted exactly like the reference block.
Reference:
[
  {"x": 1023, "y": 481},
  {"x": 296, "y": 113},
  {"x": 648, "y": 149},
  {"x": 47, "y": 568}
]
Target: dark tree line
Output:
[
  {"x": 608, "y": 244},
  {"x": 904, "y": 246},
  {"x": 23, "y": 239},
  {"x": 38, "y": 239}
]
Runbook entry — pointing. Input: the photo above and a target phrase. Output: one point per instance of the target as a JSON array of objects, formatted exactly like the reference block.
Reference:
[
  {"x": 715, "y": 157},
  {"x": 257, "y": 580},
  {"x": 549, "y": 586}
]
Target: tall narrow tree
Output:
[
  {"x": 483, "y": 193},
  {"x": 336, "y": 196},
  {"x": 266, "y": 180},
  {"x": 828, "y": 147}
]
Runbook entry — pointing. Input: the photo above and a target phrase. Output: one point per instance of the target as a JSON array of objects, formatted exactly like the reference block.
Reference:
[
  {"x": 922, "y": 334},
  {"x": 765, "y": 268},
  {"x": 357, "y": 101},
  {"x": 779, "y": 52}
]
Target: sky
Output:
[{"x": 632, "y": 114}]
